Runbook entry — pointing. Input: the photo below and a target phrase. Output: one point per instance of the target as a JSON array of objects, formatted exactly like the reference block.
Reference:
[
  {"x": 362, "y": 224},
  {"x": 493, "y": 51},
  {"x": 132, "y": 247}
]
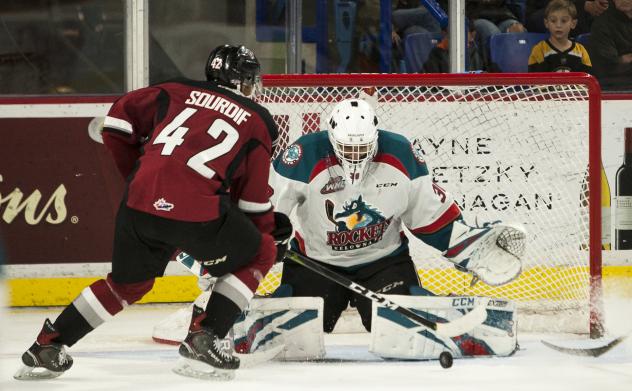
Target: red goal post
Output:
[{"x": 514, "y": 147}]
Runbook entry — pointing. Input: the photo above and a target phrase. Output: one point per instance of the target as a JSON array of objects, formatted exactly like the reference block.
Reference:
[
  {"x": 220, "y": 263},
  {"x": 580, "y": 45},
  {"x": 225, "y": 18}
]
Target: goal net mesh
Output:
[{"x": 516, "y": 153}]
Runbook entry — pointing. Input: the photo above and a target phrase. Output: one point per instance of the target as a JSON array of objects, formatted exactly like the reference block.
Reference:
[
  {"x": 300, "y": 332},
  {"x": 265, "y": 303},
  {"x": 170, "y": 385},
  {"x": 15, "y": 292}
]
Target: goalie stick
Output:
[
  {"x": 590, "y": 351},
  {"x": 454, "y": 328},
  {"x": 191, "y": 264}
]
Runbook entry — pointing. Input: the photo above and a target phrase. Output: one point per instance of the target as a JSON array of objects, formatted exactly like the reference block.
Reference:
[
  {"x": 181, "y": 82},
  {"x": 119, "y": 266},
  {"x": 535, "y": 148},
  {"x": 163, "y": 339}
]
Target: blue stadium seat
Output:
[
  {"x": 583, "y": 39},
  {"x": 417, "y": 47},
  {"x": 510, "y": 51}
]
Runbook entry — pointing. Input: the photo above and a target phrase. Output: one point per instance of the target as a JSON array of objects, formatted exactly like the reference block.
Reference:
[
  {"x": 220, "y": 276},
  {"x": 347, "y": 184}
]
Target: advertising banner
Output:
[{"x": 59, "y": 191}]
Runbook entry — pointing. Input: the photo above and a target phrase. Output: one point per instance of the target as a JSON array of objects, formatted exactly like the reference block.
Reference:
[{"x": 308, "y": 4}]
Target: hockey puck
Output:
[{"x": 445, "y": 359}]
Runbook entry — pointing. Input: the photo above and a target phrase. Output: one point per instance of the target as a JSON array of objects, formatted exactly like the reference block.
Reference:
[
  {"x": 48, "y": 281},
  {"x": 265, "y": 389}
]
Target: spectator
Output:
[
  {"x": 410, "y": 17},
  {"x": 558, "y": 53},
  {"x": 610, "y": 45},
  {"x": 492, "y": 17},
  {"x": 586, "y": 12},
  {"x": 364, "y": 36},
  {"x": 439, "y": 58}
]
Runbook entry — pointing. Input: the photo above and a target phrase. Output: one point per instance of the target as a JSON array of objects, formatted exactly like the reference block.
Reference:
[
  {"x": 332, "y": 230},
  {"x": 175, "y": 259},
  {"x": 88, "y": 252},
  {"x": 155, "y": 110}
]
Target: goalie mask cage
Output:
[{"x": 514, "y": 147}]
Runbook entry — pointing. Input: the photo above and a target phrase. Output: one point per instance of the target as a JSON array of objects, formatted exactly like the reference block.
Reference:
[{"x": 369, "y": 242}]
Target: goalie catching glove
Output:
[{"x": 491, "y": 253}]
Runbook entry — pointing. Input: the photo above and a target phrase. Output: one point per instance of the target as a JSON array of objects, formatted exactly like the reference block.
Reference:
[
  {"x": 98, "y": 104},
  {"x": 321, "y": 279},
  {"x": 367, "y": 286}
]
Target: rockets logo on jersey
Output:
[
  {"x": 292, "y": 155},
  {"x": 358, "y": 225}
]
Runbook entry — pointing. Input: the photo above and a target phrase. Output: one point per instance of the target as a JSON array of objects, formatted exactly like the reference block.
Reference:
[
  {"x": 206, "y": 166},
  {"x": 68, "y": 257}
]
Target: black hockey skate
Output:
[
  {"x": 45, "y": 359},
  {"x": 203, "y": 354}
]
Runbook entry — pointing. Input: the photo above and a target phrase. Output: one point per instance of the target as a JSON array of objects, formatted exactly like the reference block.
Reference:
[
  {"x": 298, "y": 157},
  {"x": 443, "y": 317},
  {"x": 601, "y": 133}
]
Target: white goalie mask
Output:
[{"x": 353, "y": 135}]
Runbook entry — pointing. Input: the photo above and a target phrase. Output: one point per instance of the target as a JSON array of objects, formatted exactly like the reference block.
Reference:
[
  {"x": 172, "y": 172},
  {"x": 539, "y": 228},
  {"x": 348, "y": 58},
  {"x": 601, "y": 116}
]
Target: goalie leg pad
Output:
[
  {"x": 173, "y": 329},
  {"x": 296, "y": 322},
  {"x": 395, "y": 336}
]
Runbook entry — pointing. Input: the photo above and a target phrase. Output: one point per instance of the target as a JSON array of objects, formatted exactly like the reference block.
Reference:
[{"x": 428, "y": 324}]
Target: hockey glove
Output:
[
  {"x": 281, "y": 233},
  {"x": 490, "y": 253}
]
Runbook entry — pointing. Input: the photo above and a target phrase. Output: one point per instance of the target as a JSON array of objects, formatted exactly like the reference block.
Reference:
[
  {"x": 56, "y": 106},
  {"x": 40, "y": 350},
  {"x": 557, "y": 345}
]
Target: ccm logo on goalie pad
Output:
[
  {"x": 463, "y": 302},
  {"x": 468, "y": 302},
  {"x": 498, "y": 303}
]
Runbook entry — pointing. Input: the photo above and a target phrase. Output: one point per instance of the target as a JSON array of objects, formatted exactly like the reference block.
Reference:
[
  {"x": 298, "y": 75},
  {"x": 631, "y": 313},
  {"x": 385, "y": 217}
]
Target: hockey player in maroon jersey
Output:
[{"x": 196, "y": 158}]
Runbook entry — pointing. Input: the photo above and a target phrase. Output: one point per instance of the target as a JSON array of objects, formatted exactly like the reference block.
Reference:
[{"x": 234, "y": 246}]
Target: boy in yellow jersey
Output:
[{"x": 558, "y": 53}]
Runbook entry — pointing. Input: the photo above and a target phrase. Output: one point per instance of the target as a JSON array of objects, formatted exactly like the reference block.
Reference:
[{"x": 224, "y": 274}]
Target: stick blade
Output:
[
  {"x": 597, "y": 350},
  {"x": 466, "y": 323}
]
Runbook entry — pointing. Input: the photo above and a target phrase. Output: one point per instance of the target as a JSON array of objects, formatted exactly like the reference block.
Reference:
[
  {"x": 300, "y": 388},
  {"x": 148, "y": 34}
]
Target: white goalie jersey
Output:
[{"x": 348, "y": 225}]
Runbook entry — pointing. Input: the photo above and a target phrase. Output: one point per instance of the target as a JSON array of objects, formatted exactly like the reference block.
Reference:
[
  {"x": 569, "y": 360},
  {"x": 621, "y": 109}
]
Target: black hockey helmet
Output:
[{"x": 234, "y": 67}]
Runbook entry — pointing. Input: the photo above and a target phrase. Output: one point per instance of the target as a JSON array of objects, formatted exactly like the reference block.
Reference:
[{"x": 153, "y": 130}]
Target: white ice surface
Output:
[{"x": 120, "y": 355}]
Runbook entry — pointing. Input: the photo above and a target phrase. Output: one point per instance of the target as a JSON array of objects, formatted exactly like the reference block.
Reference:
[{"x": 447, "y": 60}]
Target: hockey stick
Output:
[
  {"x": 454, "y": 328},
  {"x": 594, "y": 351},
  {"x": 191, "y": 264},
  {"x": 329, "y": 211}
]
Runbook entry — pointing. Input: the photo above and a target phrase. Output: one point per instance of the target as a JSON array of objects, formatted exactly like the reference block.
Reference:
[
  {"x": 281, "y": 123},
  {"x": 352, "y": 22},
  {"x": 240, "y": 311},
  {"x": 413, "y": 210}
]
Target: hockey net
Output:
[{"x": 521, "y": 148}]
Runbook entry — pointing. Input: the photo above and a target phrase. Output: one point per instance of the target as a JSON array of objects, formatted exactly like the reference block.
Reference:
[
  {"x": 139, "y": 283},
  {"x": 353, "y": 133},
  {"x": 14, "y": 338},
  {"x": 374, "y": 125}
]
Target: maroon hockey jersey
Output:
[{"x": 187, "y": 148}]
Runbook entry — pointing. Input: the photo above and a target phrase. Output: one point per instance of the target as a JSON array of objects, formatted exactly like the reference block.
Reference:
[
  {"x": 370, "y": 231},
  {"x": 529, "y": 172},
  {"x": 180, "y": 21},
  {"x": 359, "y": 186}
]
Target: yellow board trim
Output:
[
  {"x": 36, "y": 292},
  {"x": 30, "y": 292}
]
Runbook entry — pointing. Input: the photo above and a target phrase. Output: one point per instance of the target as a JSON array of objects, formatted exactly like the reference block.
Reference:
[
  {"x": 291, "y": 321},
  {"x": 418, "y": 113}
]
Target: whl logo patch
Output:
[
  {"x": 333, "y": 185},
  {"x": 163, "y": 205}
]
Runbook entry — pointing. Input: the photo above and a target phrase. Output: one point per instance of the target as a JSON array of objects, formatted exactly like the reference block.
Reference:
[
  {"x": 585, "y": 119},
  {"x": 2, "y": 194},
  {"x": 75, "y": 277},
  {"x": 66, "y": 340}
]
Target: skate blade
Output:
[
  {"x": 35, "y": 373},
  {"x": 199, "y": 370}
]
